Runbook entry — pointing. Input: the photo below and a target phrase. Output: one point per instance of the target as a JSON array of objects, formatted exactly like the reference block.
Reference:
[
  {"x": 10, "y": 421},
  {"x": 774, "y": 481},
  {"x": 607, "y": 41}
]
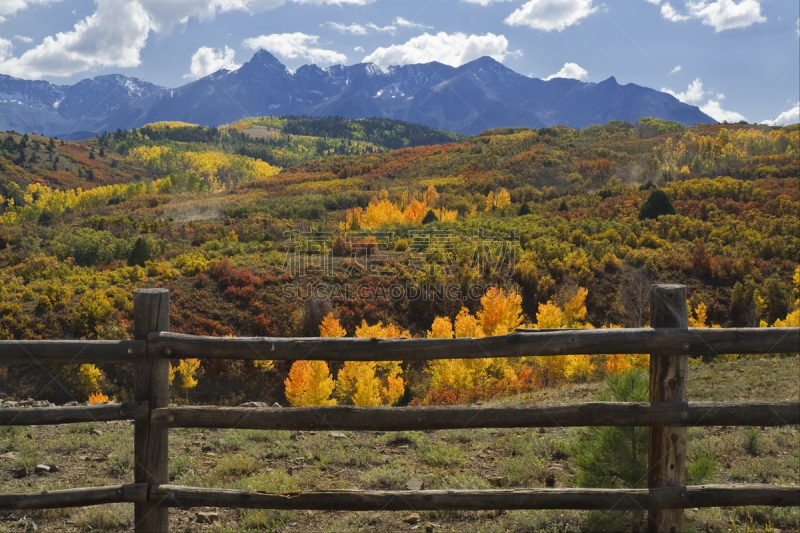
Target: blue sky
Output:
[{"x": 735, "y": 59}]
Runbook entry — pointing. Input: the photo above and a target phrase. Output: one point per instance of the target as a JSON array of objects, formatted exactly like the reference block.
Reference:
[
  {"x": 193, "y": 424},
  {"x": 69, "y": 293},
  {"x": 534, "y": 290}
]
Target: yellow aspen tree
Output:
[
  {"x": 264, "y": 365},
  {"x": 792, "y": 320},
  {"x": 97, "y": 397},
  {"x": 458, "y": 374},
  {"x": 330, "y": 327},
  {"x": 575, "y": 309},
  {"x": 89, "y": 378},
  {"x": 490, "y": 201},
  {"x": 372, "y": 382},
  {"x": 415, "y": 212},
  {"x": 503, "y": 199},
  {"x": 550, "y": 316},
  {"x": 309, "y": 383},
  {"x": 381, "y": 211},
  {"x": 444, "y": 372},
  {"x": 500, "y": 313},
  {"x": 431, "y": 197},
  {"x": 619, "y": 363},
  {"x": 467, "y": 325},
  {"x": 188, "y": 369},
  {"x": 442, "y": 328},
  {"x": 699, "y": 318},
  {"x": 446, "y": 215}
]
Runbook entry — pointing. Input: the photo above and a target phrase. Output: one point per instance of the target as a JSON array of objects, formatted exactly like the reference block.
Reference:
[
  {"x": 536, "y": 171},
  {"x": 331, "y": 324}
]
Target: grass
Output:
[
  {"x": 103, "y": 518},
  {"x": 441, "y": 455},
  {"x": 283, "y": 461}
]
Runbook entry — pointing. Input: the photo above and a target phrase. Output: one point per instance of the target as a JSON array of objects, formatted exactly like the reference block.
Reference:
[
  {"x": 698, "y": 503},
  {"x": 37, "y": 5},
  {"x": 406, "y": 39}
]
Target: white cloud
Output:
[
  {"x": 693, "y": 94},
  {"x": 570, "y": 70},
  {"x": 112, "y": 36},
  {"x": 23, "y": 39},
  {"x": 334, "y": 2},
  {"x": 720, "y": 14},
  {"x": 451, "y": 49},
  {"x": 5, "y": 48},
  {"x": 358, "y": 29},
  {"x": 11, "y": 7},
  {"x": 209, "y": 60},
  {"x": 727, "y": 14},
  {"x": 715, "y": 111},
  {"x": 358, "y": 49},
  {"x": 669, "y": 13},
  {"x": 675, "y": 70},
  {"x": 167, "y": 14},
  {"x": 551, "y": 15},
  {"x": 294, "y": 45},
  {"x": 484, "y": 2},
  {"x": 787, "y": 117},
  {"x": 403, "y": 23}
]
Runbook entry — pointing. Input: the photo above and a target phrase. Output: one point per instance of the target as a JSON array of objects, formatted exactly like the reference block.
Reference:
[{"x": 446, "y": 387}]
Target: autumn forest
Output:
[{"x": 374, "y": 228}]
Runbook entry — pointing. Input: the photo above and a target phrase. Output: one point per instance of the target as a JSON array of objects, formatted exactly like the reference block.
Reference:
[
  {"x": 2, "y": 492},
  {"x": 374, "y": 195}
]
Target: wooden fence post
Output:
[
  {"x": 667, "y": 445},
  {"x": 151, "y": 313}
]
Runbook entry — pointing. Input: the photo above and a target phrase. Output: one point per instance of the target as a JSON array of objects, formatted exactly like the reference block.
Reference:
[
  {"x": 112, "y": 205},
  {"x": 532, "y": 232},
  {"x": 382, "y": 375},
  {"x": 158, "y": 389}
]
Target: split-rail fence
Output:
[{"x": 669, "y": 342}]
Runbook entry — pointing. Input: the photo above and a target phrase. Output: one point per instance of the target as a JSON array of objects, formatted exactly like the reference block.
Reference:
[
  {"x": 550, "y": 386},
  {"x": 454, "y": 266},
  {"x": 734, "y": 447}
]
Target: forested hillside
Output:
[{"x": 297, "y": 226}]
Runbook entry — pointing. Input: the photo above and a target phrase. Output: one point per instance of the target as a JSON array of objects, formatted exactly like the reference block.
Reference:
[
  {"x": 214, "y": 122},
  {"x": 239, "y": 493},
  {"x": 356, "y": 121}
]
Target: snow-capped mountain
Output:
[{"x": 477, "y": 96}]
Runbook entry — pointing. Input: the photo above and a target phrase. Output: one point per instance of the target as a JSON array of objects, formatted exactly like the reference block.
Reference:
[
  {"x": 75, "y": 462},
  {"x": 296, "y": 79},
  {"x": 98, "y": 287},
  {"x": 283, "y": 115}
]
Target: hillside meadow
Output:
[{"x": 373, "y": 228}]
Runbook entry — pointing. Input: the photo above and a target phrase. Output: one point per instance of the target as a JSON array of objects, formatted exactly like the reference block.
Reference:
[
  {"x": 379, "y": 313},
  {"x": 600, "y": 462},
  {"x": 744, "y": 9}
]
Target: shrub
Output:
[
  {"x": 88, "y": 246},
  {"x": 93, "y": 310},
  {"x": 192, "y": 263}
]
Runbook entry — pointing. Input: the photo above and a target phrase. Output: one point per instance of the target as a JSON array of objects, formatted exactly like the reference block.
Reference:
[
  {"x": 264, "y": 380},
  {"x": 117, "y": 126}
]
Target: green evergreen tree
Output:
[
  {"x": 141, "y": 252},
  {"x": 430, "y": 216},
  {"x": 657, "y": 204},
  {"x": 524, "y": 210},
  {"x": 616, "y": 457}
]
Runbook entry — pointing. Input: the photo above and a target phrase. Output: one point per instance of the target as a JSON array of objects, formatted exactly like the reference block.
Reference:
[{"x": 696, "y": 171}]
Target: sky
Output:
[{"x": 735, "y": 59}]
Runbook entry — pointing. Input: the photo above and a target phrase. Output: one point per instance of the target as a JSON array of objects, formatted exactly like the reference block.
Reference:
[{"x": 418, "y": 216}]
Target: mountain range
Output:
[{"x": 474, "y": 97}]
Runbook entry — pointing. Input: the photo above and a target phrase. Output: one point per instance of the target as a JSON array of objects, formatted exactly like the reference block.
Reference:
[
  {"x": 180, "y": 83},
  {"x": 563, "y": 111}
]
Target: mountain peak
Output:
[
  {"x": 262, "y": 57},
  {"x": 485, "y": 62}
]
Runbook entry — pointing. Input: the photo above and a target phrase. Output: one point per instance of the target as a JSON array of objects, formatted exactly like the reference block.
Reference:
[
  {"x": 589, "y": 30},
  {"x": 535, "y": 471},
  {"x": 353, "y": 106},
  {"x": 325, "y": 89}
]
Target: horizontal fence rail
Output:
[
  {"x": 469, "y": 500},
  {"x": 402, "y": 500},
  {"x": 56, "y": 499},
  {"x": 691, "y": 341},
  {"x": 70, "y": 352},
  {"x": 354, "y": 418},
  {"x": 42, "y": 416}
]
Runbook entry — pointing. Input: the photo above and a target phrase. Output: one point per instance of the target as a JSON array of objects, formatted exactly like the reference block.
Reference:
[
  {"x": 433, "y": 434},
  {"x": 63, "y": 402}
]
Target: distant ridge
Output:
[{"x": 474, "y": 97}]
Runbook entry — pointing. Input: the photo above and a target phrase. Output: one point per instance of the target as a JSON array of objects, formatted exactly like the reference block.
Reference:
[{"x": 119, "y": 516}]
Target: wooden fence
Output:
[{"x": 667, "y": 415}]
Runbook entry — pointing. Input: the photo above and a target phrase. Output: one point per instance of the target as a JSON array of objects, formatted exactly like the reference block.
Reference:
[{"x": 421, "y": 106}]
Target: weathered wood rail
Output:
[{"x": 667, "y": 414}]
